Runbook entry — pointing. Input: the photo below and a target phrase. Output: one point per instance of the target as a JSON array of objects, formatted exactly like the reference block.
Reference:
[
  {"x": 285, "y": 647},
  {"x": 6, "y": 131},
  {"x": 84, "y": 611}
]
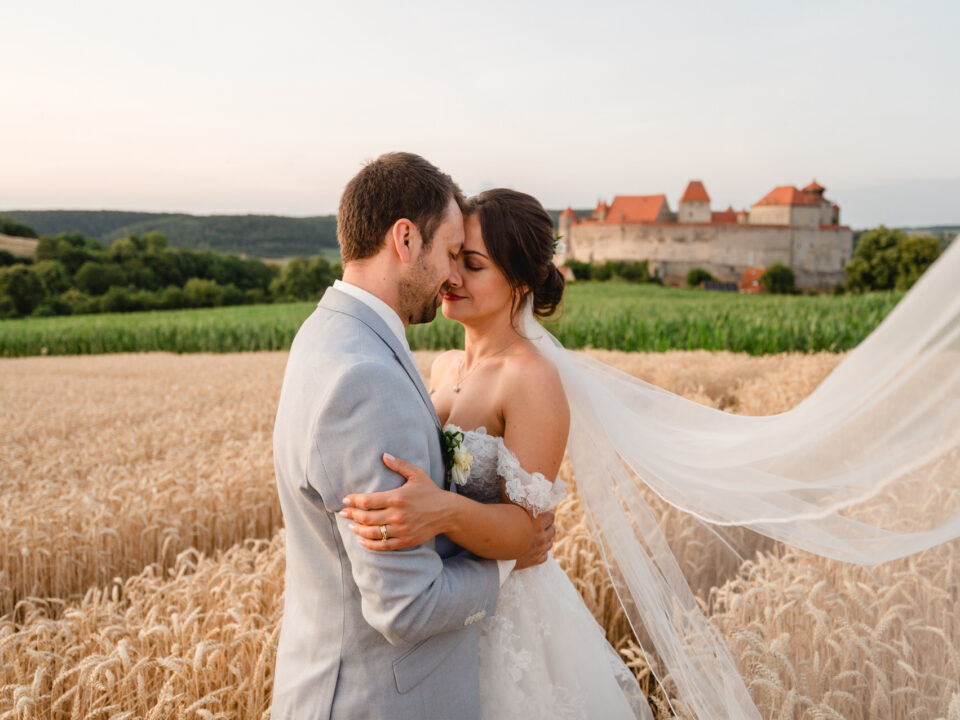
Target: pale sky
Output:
[{"x": 256, "y": 107}]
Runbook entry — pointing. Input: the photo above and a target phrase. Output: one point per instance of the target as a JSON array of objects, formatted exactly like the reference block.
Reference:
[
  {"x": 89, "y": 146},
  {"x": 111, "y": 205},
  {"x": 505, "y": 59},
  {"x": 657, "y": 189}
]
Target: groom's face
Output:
[{"x": 434, "y": 268}]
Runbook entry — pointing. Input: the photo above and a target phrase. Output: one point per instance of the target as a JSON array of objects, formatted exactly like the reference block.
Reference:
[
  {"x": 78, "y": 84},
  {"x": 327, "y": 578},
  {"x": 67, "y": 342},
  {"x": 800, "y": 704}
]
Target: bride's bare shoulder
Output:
[
  {"x": 535, "y": 413},
  {"x": 533, "y": 380}
]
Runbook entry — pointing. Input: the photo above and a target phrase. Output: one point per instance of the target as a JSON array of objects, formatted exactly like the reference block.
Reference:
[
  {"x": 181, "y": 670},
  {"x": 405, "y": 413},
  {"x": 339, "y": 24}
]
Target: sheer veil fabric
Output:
[{"x": 863, "y": 470}]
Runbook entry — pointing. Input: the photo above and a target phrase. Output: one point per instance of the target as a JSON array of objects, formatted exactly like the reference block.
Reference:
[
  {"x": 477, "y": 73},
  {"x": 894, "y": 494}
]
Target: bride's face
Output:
[{"x": 483, "y": 291}]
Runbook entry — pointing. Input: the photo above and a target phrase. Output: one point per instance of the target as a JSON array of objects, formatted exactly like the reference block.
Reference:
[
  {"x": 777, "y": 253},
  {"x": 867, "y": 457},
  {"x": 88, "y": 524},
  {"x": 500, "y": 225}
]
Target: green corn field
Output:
[{"x": 611, "y": 315}]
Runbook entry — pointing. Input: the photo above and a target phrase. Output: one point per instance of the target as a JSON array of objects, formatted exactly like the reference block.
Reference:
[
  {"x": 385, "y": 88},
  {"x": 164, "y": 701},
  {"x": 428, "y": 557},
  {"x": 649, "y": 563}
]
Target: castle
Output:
[{"x": 799, "y": 228}]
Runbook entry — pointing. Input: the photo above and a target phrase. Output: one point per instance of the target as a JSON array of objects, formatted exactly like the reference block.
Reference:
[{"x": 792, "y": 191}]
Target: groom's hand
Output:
[
  {"x": 412, "y": 514},
  {"x": 541, "y": 543}
]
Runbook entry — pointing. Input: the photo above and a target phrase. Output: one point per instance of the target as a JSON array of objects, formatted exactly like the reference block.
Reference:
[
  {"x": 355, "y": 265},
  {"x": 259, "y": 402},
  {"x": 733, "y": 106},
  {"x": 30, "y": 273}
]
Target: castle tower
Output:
[
  {"x": 600, "y": 212},
  {"x": 829, "y": 212},
  {"x": 694, "y": 204},
  {"x": 568, "y": 218}
]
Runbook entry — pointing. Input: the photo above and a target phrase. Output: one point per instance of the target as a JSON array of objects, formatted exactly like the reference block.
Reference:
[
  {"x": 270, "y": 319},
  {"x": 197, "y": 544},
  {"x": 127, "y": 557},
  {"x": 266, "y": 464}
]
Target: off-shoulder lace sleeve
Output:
[{"x": 532, "y": 491}]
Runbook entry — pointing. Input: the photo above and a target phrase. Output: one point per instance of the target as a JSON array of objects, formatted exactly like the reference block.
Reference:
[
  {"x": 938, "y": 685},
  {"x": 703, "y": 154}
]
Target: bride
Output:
[
  {"x": 542, "y": 651},
  {"x": 841, "y": 475}
]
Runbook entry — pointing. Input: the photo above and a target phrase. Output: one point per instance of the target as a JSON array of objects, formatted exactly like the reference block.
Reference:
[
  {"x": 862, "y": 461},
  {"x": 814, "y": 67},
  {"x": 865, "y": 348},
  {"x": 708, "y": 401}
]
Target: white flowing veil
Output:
[{"x": 863, "y": 470}]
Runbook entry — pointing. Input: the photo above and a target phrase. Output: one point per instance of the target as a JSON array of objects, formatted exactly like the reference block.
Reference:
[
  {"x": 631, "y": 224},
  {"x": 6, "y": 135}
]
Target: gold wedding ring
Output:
[{"x": 383, "y": 533}]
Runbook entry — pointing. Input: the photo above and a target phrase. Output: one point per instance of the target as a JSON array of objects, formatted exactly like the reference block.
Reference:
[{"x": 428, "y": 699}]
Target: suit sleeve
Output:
[{"x": 406, "y": 595}]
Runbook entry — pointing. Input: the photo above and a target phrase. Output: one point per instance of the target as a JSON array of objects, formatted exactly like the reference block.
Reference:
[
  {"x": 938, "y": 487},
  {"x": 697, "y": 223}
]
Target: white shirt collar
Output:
[{"x": 386, "y": 313}]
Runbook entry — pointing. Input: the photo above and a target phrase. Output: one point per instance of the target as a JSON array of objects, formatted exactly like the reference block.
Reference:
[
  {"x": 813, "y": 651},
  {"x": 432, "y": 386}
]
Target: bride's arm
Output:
[
  {"x": 418, "y": 511},
  {"x": 536, "y": 416},
  {"x": 536, "y": 423}
]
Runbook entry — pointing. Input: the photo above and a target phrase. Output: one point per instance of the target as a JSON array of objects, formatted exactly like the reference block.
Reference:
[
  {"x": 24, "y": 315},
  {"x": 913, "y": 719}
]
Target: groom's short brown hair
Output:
[{"x": 396, "y": 185}]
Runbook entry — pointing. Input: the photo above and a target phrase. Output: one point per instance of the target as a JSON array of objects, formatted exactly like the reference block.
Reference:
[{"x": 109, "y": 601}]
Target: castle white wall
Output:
[
  {"x": 805, "y": 215},
  {"x": 769, "y": 215},
  {"x": 816, "y": 255}
]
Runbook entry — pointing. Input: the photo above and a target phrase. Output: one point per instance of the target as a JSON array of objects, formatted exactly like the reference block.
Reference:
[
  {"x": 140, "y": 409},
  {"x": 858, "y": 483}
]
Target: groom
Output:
[{"x": 374, "y": 634}]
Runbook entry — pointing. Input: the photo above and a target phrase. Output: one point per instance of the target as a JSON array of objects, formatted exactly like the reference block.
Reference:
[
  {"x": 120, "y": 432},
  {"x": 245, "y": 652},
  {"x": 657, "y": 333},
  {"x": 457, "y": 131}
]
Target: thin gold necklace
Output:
[{"x": 461, "y": 378}]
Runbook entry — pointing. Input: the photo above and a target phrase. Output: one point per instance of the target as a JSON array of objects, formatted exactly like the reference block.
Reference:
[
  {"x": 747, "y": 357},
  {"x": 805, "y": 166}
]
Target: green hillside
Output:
[{"x": 264, "y": 236}]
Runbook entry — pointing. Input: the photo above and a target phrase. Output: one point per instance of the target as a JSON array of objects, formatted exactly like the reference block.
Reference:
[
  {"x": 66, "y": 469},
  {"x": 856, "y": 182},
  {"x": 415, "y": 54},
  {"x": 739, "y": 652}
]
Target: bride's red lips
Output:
[{"x": 450, "y": 297}]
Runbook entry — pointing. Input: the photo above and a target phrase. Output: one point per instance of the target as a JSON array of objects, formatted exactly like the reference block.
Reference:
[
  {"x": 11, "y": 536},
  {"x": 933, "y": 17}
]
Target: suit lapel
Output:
[{"x": 340, "y": 302}]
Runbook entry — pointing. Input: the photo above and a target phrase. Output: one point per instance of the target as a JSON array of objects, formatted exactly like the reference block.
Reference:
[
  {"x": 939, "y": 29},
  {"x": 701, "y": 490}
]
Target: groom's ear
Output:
[{"x": 405, "y": 239}]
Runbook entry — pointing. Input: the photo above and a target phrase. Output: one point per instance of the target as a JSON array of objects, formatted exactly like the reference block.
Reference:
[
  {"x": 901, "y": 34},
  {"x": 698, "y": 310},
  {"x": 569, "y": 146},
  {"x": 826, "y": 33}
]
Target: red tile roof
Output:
[
  {"x": 635, "y": 208},
  {"x": 724, "y": 216},
  {"x": 788, "y": 195},
  {"x": 814, "y": 187},
  {"x": 695, "y": 192},
  {"x": 568, "y": 212}
]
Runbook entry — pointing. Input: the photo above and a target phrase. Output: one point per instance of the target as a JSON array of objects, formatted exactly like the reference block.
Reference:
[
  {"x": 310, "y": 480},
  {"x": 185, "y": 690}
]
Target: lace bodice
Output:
[{"x": 493, "y": 460}]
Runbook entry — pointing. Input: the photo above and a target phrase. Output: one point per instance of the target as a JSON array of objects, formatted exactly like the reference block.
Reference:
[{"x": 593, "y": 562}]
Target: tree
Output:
[
  {"x": 154, "y": 242},
  {"x": 202, "y": 293},
  {"x": 874, "y": 263},
  {"x": 125, "y": 248},
  {"x": 697, "y": 275},
  {"x": 71, "y": 249},
  {"x": 172, "y": 298},
  {"x": 302, "y": 279},
  {"x": 52, "y": 305},
  {"x": 54, "y": 276},
  {"x": 9, "y": 226},
  {"x": 887, "y": 259},
  {"x": 47, "y": 248},
  {"x": 165, "y": 268},
  {"x": 7, "y": 310},
  {"x": 637, "y": 272},
  {"x": 601, "y": 271},
  {"x": 139, "y": 275},
  {"x": 581, "y": 270},
  {"x": 116, "y": 299},
  {"x": 75, "y": 299},
  {"x": 917, "y": 253},
  {"x": 96, "y": 278},
  {"x": 778, "y": 278},
  {"x": 23, "y": 287}
]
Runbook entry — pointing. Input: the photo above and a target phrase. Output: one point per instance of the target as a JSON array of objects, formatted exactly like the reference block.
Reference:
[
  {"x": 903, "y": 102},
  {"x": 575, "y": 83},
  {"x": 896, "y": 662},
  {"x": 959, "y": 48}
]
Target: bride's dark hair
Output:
[{"x": 519, "y": 237}]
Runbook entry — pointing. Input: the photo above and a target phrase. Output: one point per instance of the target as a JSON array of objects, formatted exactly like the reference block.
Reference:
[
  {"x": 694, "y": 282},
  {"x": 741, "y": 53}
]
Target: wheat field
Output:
[
  {"x": 18, "y": 246},
  {"x": 141, "y": 552}
]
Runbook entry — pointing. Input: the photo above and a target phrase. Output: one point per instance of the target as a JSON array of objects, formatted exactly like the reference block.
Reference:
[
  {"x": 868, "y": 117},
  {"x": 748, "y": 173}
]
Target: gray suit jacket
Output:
[{"x": 366, "y": 634}]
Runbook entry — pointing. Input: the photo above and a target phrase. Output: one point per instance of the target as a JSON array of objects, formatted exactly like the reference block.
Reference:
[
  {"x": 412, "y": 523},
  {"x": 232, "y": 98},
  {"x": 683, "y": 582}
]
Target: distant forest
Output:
[
  {"x": 269, "y": 237},
  {"x": 260, "y": 236}
]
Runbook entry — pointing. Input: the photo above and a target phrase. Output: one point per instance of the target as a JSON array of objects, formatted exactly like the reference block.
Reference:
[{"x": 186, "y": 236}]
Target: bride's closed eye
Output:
[{"x": 471, "y": 260}]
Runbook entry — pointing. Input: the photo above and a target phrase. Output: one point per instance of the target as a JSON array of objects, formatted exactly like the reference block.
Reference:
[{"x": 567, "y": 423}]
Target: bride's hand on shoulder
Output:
[{"x": 412, "y": 514}]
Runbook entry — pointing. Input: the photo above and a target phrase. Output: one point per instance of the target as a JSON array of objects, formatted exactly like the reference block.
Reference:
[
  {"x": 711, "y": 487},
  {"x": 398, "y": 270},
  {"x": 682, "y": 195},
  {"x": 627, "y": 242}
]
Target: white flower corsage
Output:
[{"x": 456, "y": 457}]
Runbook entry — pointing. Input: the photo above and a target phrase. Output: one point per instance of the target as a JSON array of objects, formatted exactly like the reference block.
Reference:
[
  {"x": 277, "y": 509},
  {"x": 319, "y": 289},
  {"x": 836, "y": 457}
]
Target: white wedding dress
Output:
[
  {"x": 542, "y": 655},
  {"x": 865, "y": 470}
]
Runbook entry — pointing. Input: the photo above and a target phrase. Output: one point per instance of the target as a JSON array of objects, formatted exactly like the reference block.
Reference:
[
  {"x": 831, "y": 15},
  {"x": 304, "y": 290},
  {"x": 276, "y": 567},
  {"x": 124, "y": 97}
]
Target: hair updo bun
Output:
[
  {"x": 547, "y": 297},
  {"x": 519, "y": 237}
]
